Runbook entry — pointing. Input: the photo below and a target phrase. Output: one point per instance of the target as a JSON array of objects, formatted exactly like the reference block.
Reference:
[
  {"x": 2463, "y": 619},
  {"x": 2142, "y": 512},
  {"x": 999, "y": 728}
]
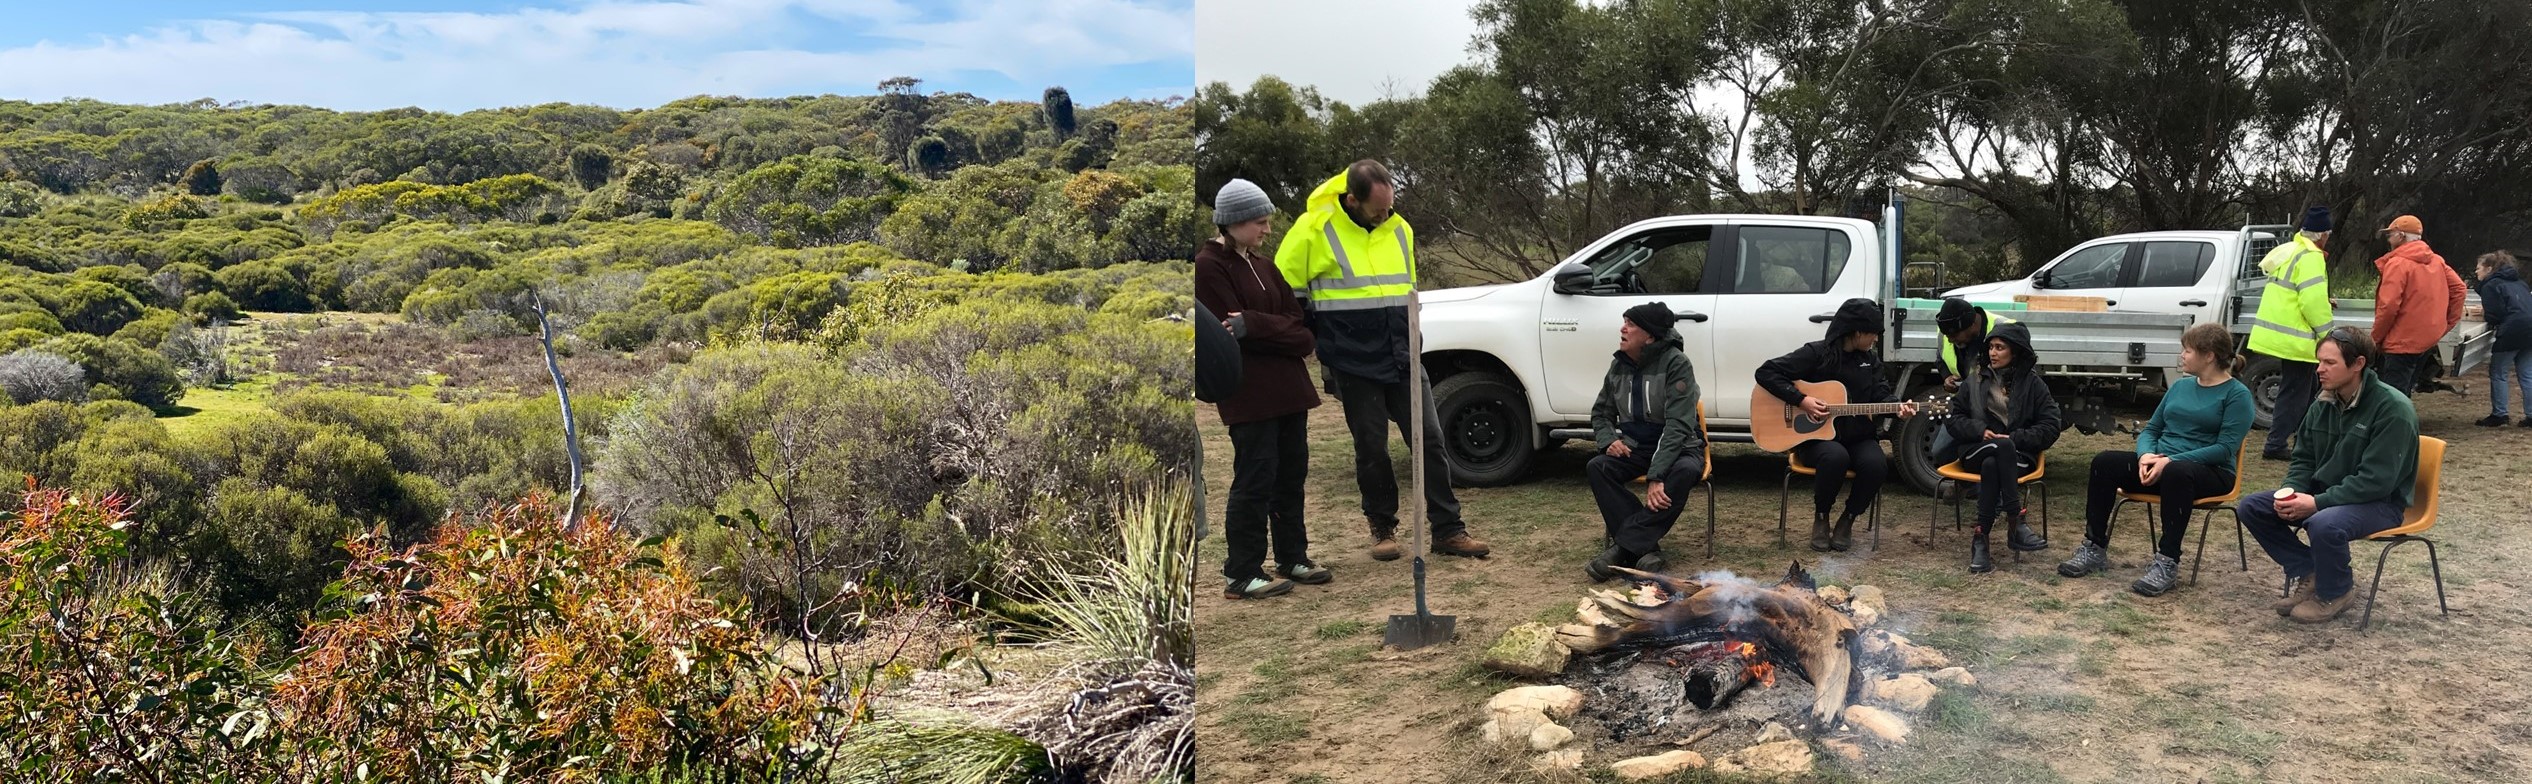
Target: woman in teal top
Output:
[{"x": 2186, "y": 453}]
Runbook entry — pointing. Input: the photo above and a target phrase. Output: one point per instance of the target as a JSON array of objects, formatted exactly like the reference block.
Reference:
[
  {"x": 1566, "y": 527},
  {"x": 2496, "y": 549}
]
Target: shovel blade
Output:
[{"x": 1409, "y": 632}]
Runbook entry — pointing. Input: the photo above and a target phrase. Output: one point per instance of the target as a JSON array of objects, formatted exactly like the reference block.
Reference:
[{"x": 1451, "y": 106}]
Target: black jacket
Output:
[
  {"x": 1217, "y": 358},
  {"x": 2507, "y": 307},
  {"x": 2031, "y": 416},
  {"x": 1826, "y": 360}
]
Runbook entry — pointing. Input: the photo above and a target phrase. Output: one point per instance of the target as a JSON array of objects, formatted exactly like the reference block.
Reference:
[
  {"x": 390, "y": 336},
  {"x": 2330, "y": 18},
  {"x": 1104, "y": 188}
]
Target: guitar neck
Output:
[{"x": 1864, "y": 409}]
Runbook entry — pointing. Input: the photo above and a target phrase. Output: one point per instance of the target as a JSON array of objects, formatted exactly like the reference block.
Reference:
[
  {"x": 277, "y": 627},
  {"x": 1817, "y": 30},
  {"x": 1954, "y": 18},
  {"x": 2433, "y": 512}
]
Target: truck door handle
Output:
[
  {"x": 1822, "y": 318},
  {"x": 2193, "y": 303},
  {"x": 1690, "y": 315}
]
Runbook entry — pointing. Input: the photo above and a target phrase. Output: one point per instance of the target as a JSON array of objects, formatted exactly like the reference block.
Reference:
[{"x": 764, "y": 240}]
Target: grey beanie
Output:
[{"x": 1240, "y": 201}]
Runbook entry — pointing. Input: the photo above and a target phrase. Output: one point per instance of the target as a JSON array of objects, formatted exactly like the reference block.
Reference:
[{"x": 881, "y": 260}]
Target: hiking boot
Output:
[
  {"x": 1601, "y": 567},
  {"x": 2315, "y": 610},
  {"x": 2274, "y": 455},
  {"x": 2022, "y": 537},
  {"x": 1844, "y": 535},
  {"x": 1306, "y": 573},
  {"x": 1462, "y": 545},
  {"x": 1256, "y": 588},
  {"x": 2089, "y": 558},
  {"x": 1385, "y": 547},
  {"x": 1652, "y": 562},
  {"x": 2527, "y": 421},
  {"x": 2298, "y": 590},
  {"x": 1978, "y": 562},
  {"x": 1820, "y": 532},
  {"x": 2492, "y": 420},
  {"x": 2160, "y": 576}
]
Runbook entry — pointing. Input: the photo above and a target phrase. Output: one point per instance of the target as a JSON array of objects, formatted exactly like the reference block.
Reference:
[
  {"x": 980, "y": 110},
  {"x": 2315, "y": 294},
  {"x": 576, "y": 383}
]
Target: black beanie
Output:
[
  {"x": 2316, "y": 219},
  {"x": 1954, "y": 316},
  {"x": 1653, "y": 317},
  {"x": 1855, "y": 315}
]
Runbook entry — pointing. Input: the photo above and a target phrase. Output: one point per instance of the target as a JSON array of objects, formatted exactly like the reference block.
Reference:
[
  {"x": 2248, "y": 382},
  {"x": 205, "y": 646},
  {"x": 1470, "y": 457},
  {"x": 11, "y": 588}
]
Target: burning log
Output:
[{"x": 1729, "y": 634}]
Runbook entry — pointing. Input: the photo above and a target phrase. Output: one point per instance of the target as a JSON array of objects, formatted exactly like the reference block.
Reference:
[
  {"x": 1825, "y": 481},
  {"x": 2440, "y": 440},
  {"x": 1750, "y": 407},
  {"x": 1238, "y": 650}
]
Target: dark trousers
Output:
[
  {"x": 2181, "y": 485},
  {"x": 1371, "y": 408},
  {"x": 2296, "y": 385},
  {"x": 2000, "y": 468},
  {"x": 1270, "y": 461},
  {"x": 2401, "y": 371},
  {"x": 1624, "y": 518},
  {"x": 1834, "y": 459},
  {"x": 2325, "y": 558}
]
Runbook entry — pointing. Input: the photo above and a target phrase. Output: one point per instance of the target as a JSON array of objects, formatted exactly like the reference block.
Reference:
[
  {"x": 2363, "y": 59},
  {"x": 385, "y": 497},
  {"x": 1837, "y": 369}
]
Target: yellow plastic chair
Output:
[
  {"x": 2209, "y": 505},
  {"x": 2413, "y": 527},
  {"x": 1952, "y": 472}
]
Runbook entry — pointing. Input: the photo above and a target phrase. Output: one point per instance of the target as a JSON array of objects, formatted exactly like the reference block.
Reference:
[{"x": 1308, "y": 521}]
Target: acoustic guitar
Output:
[{"x": 1779, "y": 427}]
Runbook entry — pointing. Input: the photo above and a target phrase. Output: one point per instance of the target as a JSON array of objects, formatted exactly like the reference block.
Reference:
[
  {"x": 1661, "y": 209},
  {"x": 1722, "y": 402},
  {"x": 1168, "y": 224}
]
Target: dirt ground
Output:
[{"x": 2081, "y": 680}]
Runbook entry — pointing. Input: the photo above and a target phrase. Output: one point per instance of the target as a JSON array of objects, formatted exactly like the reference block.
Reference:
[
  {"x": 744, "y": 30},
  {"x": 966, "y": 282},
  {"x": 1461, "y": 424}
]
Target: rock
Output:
[
  {"x": 1492, "y": 731},
  {"x": 1877, "y": 724},
  {"x": 1549, "y": 736},
  {"x": 1658, "y": 765},
  {"x": 1919, "y": 657},
  {"x": 1529, "y": 650},
  {"x": 1570, "y": 759},
  {"x": 1773, "y": 732},
  {"x": 1833, "y": 594},
  {"x": 1907, "y": 692},
  {"x": 1556, "y": 701},
  {"x": 1865, "y": 615},
  {"x": 1844, "y": 749},
  {"x": 1956, "y": 676},
  {"x": 1869, "y": 596},
  {"x": 1515, "y": 724},
  {"x": 1781, "y": 758}
]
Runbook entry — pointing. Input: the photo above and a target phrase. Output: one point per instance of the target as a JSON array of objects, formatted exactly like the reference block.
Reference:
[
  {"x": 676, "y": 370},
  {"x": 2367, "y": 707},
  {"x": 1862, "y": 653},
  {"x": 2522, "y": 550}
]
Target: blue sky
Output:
[{"x": 454, "y": 56}]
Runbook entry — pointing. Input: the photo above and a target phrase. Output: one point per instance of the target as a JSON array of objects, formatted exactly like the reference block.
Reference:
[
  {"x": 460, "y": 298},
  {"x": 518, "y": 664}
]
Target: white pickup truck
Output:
[{"x": 1516, "y": 366}]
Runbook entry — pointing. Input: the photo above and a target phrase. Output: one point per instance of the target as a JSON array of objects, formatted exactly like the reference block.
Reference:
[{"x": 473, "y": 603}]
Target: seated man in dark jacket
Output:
[
  {"x": 2005, "y": 411},
  {"x": 1646, "y": 424},
  {"x": 2355, "y": 460},
  {"x": 1845, "y": 356}
]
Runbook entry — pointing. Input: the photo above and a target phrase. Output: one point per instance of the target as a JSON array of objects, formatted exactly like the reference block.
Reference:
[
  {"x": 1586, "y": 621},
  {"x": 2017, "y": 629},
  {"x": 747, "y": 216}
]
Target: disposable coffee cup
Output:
[{"x": 2284, "y": 493}]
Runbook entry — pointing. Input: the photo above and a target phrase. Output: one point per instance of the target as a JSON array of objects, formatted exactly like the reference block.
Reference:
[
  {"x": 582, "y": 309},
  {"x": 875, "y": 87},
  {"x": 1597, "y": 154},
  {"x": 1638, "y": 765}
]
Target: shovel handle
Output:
[{"x": 1415, "y": 430}]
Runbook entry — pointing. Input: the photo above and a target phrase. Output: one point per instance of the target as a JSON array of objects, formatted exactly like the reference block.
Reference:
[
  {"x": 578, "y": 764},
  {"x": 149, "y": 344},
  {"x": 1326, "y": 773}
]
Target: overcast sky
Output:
[
  {"x": 1356, "y": 51},
  {"x": 453, "y": 55}
]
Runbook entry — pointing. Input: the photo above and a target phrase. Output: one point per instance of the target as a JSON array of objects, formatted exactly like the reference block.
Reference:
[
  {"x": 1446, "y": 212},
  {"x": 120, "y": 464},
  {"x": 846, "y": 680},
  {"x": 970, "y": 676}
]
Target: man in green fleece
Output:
[
  {"x": 2355, "y": 459},
  {"x": 1645, "y": 423}
]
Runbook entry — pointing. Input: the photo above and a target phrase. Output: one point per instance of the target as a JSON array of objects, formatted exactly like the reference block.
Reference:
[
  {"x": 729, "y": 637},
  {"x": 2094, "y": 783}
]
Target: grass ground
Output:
[{"x": 2081, "y": 680}]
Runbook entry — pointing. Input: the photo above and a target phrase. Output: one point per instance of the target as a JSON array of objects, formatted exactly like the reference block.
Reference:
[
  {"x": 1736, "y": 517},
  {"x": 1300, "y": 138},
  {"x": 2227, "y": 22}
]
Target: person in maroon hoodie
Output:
[{"x": 1270, "y": 450}]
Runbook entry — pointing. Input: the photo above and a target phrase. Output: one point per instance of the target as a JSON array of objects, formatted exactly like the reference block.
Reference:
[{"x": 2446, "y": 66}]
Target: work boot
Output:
[
  {"x": 1652, "y": 562},
  {"x": 1844, "y": 536},
  {"x": 1602, "y": 566},
  {"x": 1385, "y": 546},
  {"x": 1820, "y": 532},
  {"x": 1462, "y": 545},
  {"x": 2089, "y": 558},
  {"x": 2298, "y": 590},
  {"x": 1306, "y": 573},
  {"x": 2316, "y": 610},
  {"x": 2160, "y": 576},
  {"x": 1978, "y": 562},
  {"x": 2022, "y": 537}
]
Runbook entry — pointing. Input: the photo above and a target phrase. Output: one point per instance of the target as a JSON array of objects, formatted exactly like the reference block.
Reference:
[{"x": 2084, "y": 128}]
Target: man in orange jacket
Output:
[{"x": 2419, "y": 299}]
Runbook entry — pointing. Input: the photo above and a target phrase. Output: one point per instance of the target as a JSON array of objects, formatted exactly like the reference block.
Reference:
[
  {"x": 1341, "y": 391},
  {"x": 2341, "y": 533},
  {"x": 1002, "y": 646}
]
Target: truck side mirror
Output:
[
  {"x": 1573, "y": 280},
  {"x": 2040, "y": 281}
]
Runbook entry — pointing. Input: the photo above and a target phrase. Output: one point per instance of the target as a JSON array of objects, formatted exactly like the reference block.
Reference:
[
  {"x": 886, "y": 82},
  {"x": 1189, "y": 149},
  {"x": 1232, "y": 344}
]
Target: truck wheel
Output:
[
  {"x": 2262, "y": 376},
  {"x": 1915, "y": 448},
  {"x": 1486, "y": 426}
]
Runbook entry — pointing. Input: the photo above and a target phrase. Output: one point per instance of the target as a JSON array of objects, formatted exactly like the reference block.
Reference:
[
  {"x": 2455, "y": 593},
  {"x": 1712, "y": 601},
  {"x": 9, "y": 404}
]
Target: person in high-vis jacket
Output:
[
  {"x": 2294, "y": 312},
  {"x": 1965, "y": 327},
  {"x": 1351, "y": 259}
]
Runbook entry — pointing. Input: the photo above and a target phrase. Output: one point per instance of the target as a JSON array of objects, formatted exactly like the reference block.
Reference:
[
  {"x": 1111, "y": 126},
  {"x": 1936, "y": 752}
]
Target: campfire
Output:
[{"x": 1675, "y": 662}]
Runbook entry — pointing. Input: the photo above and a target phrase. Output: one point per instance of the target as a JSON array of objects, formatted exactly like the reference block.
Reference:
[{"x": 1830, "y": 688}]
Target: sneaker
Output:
[
  {"x": 1306, "y": 573},
  {"x": 2492, "y": 420},
  {"x": 1256, "y": 588},
  {"x": 2299, "y": 590},
  {"x": 2318, "y": 610},
  {"x": 1385, "y": 547},
  {"x": 2089, "y": 558},
  {"x": 1463, "y": 545},
  {"x": 2160, "y": 577}
]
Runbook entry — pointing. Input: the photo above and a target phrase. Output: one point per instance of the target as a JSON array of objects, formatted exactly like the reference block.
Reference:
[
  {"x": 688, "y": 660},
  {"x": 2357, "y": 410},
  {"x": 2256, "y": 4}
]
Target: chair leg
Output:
[
  {"x": 1784, "y": 501},
  {"x": 2201, "y": 556},
  {"x": 2043, "y": 486},
  {"x": 2240, "y": 549},
  {"x": 1934, "y": 509},
  {"x": 2377, "y": 588},
  {"x": 1874, "y": 522},
  {"x": 1709, "y": 520},
  {"x": 2438, "y": 567}
]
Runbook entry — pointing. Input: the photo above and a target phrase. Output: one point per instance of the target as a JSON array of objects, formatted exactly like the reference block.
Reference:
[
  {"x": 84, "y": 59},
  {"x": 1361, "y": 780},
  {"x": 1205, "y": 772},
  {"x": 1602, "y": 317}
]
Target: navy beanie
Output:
[{"x": 2316, "y": 219}]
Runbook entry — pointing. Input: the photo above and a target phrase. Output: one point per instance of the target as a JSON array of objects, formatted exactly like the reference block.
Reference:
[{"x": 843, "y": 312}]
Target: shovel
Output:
[{"x": 1409, "y": 632}]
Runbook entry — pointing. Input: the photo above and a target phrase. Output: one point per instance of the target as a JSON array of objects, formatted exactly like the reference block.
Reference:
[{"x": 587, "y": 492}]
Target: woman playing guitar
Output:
[{"x": 1845, "y": 356}]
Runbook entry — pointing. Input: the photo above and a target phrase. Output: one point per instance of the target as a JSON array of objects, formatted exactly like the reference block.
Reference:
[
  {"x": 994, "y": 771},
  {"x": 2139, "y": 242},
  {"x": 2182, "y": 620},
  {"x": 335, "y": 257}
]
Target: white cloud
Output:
[{"x": 620, "y": 52}]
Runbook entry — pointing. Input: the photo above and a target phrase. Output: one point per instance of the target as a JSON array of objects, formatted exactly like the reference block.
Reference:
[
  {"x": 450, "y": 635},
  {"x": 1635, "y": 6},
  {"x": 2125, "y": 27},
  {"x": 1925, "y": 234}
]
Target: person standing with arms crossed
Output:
[
  {"x": 2294, "y": 311},
  {"x": 1270, "y": 442}
]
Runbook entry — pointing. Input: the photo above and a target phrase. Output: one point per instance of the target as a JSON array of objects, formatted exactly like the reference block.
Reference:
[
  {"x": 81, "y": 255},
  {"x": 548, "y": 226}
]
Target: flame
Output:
[{"x": 1760, "y": 669}]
